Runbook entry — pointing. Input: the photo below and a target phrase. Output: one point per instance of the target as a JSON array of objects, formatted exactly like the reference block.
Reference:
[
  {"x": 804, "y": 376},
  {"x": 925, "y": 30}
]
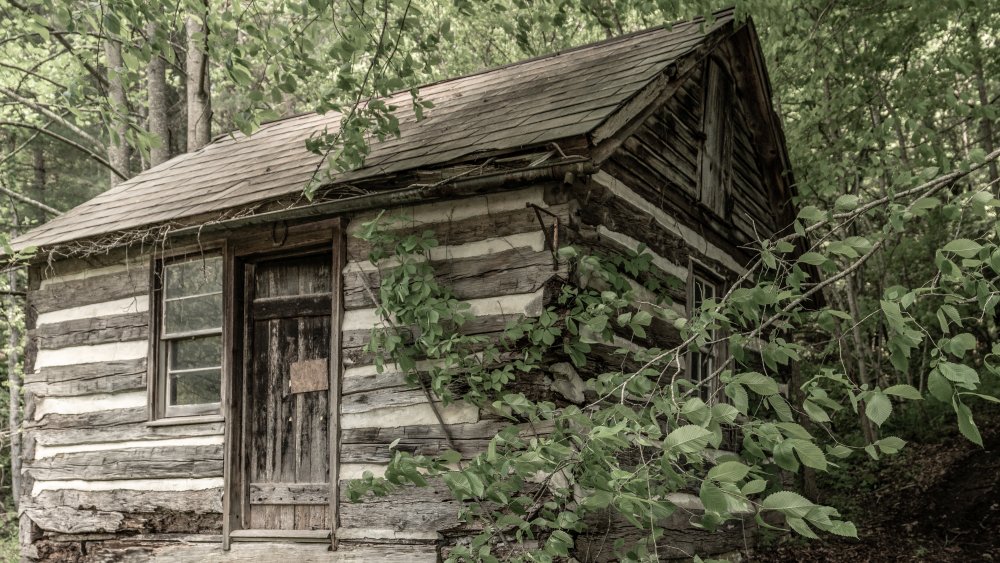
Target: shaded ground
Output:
[{"x": 938, "y": 502}]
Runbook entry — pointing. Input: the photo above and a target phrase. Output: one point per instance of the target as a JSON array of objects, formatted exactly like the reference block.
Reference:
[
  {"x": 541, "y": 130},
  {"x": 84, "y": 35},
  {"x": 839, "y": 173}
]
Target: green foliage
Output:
[
  {"x": 542, "y": 485},
  {"x": 886, "y": 109}
]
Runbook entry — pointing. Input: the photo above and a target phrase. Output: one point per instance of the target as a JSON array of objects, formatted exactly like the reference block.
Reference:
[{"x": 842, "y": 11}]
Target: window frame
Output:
[
  {"x": 158, "y": 373},
  {"x": 715, "y": 187},
  {"x": 717, "y": 352}
]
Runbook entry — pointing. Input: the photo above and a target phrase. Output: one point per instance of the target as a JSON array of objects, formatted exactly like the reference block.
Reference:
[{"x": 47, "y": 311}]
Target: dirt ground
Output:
[{"x": 936, "y": 502}]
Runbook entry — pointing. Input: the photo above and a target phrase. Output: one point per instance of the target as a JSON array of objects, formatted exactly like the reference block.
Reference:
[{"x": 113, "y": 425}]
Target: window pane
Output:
[
  {"x": 194, "y": 353},
  {"x": 193, "y": 313},
  {"x": 193, "y": 277},
  {"x": 195, "y": 388}
]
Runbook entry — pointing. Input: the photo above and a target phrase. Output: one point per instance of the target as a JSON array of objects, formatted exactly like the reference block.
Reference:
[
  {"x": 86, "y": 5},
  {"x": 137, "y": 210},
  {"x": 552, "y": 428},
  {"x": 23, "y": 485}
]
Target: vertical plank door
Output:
[{"x": 288, "y": 445}]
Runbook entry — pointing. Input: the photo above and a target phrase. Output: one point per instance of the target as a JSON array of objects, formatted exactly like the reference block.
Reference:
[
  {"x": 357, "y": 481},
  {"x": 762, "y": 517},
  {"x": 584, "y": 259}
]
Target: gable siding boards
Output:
[{"x": 662, "y": 162}]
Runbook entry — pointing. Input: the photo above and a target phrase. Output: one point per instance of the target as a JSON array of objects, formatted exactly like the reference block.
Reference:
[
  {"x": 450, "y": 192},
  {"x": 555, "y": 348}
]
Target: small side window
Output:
[
  {"x": 188, "y": 324},
  {"x": 704, "y": 285}
]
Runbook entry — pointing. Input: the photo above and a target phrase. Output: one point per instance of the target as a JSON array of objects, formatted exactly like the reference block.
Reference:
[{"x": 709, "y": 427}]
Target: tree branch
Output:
[
  {"x": 100, "y": 159},
  {"x": 29, "y": 201},
  {"x": 929, "y": 189},
  {"x": 53, "y": 116}
]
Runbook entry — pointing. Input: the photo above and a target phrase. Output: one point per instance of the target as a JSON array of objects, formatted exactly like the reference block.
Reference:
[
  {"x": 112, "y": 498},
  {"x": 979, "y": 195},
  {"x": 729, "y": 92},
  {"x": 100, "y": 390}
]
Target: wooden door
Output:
[{"x": 287, "y": 440}]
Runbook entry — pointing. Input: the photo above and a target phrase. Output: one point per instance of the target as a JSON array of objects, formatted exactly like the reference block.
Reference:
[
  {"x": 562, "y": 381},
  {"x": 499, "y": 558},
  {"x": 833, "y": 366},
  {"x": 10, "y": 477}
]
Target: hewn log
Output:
[
  {"x": 66, "y": 520},
  {"x": 201, "y": 501},
  {"x": 453, "y": 232},
  {"x": 124, "y": 433},
  {"x": 97, "y": 289},
  {"x": 430, "y": 508},
  {"x": 94, "y": 419},
  {"x": 108, "y": 384},
  {"x": 380, "y": 453},
  {"x": 513, "y": 271},
  {"x": 132, "y": 463},
  {"x": 481, "y": 325},
  {"x": 604, "y": 208},
  {"x": 95, "y": 370},
  {"x": 79, "y": 332},
  {"x": 134, "y": 552}
]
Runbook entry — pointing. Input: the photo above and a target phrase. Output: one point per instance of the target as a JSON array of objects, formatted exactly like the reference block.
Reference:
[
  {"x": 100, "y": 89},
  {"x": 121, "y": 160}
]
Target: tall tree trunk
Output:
[
  {"x": 860, "y": 353},
  {"x": 118, "y": 149},
  {"x": 14, "y": 386},
  {"x": 156, "y": 91},
  {"x": 985, "y": 125},
  {"x": 38, "y": 191},
  {"x": 199, "y": 90}
]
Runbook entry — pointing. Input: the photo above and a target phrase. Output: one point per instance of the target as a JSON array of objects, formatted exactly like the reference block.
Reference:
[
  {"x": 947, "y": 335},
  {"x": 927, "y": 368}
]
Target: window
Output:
[
  {"x": 189, "y": 329},
  {"x": 704, "y": 285},
  {"x": 716, "y": 162}
]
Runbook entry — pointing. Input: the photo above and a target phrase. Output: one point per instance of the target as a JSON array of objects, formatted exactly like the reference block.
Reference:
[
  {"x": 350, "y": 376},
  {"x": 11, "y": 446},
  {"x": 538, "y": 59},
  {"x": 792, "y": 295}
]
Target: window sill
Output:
[{"x": 181, "y": 420}]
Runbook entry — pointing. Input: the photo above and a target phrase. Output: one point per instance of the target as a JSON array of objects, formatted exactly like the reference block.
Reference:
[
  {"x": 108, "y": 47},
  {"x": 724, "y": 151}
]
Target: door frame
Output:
[{"x": 277, "y": 240}]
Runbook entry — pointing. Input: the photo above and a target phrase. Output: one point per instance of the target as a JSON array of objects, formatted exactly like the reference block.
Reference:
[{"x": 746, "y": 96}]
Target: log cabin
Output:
[{"x": 196, "y": 385}]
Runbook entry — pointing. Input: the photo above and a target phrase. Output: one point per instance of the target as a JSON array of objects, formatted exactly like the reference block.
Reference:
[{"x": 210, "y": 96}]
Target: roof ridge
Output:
[{"x": 593, "y": 44}]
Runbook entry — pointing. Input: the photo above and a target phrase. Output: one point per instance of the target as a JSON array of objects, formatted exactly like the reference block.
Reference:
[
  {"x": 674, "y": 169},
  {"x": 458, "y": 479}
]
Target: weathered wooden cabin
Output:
[{"x": 195, "y": 384}]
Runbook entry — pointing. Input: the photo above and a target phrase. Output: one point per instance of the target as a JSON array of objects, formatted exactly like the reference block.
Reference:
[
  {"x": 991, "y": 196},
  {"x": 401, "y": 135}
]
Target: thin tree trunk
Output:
[
  {"x": 38, "y": 192},
  {"x": 156, "y": 91},
  {"x": 14, "y": 386},
  {"x": 809, "y": 487},
  {"x": 118, "y": 149},
  {"x": 985, "y": 124},
  {"x": 199, "y": 90},
  {"x": 867, "y": 429}
]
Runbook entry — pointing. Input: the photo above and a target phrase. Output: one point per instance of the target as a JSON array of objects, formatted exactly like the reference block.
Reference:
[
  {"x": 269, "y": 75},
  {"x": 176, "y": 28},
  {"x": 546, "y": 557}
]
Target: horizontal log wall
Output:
[
  {"x": 92, "y": 465},
  {"x": 95, "y": 471},
  {"x": 493, "y": 255}
]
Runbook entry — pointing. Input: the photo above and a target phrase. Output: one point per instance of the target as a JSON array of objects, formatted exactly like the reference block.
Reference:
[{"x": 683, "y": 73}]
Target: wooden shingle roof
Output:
[{"x": 531, "y": 103}]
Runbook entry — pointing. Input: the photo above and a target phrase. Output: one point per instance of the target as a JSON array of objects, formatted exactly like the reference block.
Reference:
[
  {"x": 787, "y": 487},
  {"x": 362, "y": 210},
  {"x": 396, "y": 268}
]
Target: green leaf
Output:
[
  {"x": 788, "y": 503},
  {"x": 758, "y": 383},
  {"x": 962, "y": 343},
  {"x": 813, "y": 258},
  {"x": 809, "y": 453},
  {"x": 815, "y": 412},
  {"x": 890, "y": 445},
  {"x": 801, "y": 528},
  {"x": 967, "y": 426},
  {"x": 904, "y": 391},
  {"x": 893, "y": 315},
  {"x": 728, "y": 472},
  {"x": 844, "y": 529},
  {"x": 959, "y": 373},
  {"x": 784, "y": 456},
  {"x": 840, "y": 451},
  {"x": 878, "y": 407},
  {"x": 713, "y": 497},
  {"x": 939, "y": 387},
  {"x": 811, "y": 213},
  {"x": 687, "y": 439},
  {"x": 963, "y": 247},
  {"x": 780, "y": 407},
  {"x": 597, "y": 500},
  {"x": 847, "y": 202},
  {"x": 754, "y": 487}
]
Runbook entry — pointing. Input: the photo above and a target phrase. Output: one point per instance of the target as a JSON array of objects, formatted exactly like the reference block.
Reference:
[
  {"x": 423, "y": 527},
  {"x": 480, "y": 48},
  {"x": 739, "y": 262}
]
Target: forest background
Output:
[{"x": 878, "y": 99}]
